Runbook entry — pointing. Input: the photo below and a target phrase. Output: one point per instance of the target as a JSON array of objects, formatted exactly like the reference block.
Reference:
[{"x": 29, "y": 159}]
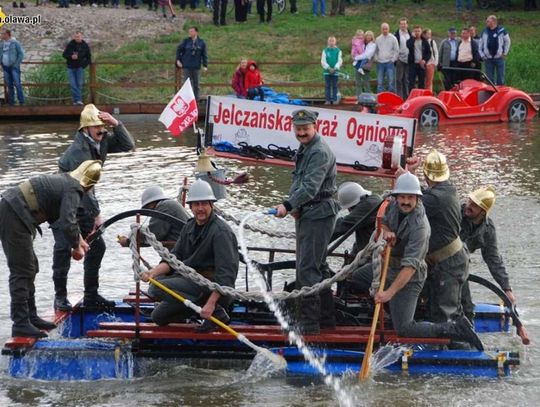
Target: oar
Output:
[
  {"x": 364, "y": 371},
  {"x": 278, "y": 361}
]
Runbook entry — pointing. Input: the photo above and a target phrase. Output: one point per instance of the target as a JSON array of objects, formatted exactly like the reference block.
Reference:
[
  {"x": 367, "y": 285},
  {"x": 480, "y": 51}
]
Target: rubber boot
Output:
[
  {"x": 328, "y": 310},
  {"x": 91, "y": 296},
  {"x": 21, "y": 323},
  {"x": 34, "y": 319},
  {"x": 308, "y": 312},
  {"x": 61, "y": 303},
  {"x": 97, "y": 301},
  {"x": 461, "y": 329}
]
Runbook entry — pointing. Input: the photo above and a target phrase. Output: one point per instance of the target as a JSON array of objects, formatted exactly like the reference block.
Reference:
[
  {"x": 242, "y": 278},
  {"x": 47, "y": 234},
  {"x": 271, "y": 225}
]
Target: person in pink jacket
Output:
[{"x": 357, "y": 48}]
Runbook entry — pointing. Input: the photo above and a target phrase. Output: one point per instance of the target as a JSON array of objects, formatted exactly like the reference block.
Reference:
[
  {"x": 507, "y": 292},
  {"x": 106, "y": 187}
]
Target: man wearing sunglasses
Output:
[{"x": 92, "y": 142}]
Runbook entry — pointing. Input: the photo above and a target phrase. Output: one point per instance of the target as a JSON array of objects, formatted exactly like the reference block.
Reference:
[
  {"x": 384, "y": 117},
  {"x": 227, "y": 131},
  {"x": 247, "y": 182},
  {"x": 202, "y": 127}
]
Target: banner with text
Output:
[{"x": 352, "y": 136}]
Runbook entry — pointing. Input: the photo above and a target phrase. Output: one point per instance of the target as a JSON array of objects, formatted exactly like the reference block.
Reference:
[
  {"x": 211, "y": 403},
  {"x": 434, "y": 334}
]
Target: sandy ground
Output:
[{"x": 103, "y": 28}]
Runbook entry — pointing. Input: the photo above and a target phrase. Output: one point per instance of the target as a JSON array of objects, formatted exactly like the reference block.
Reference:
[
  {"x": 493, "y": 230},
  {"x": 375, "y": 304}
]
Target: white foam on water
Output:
[
  {"x": 385, "y": 356},
  {"x": 344, "y": 397},
  {"x": 262, "y": 367}
]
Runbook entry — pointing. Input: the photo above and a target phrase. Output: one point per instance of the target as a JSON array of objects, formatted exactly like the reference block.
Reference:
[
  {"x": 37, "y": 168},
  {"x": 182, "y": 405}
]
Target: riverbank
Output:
[
  {"x": 105, "y": 29},
  {"x": 145, "y": 36}
]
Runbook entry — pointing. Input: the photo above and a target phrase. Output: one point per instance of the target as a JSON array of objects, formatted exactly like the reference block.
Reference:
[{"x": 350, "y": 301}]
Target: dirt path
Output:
[{"x": 103, "y": 28}]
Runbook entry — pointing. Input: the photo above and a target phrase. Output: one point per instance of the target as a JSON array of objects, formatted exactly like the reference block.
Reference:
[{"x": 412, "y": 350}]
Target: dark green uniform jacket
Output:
[
  {"x": 314, "y": 181},
  {"x": 83, "y": 148},
  {"x": 212, "y": 248},
  {"x": 443, "y": 210},
  {"x": 484, "y": 237},
  {"x": 58, "y": 197},
  {"x": 412, "y": 240},
  {"x": 163, "y": 229}
]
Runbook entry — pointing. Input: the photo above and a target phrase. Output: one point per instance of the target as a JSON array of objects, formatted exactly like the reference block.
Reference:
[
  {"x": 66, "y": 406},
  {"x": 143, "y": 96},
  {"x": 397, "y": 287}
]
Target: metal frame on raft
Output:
[{"x": 114, "y": 344}]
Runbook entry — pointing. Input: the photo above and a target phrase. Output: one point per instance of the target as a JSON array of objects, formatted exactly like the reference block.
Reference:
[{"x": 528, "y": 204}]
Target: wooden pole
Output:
[
  {"x": 177, "y": 79},
  {"x": 364, "y": 371},
  {"x": 93, "y": 82},
  {"x": 138, "y": 288}
]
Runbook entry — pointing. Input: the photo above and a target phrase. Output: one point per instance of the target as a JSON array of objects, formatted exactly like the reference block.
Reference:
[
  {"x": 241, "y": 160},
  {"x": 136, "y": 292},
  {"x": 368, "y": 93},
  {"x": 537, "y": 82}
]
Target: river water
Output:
[{"x": 503, "y": 155}]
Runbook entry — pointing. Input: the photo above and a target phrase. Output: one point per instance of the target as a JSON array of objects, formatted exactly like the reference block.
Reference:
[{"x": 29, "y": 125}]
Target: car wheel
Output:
[
  {"x": 429, "y": 117},
  {"x": 518, "y": 111}
]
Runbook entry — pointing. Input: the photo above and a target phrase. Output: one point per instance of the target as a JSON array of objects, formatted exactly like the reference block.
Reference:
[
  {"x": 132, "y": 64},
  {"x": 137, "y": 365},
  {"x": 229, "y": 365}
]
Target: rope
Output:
[
  {"x": 106, "y": 80},
  {"x": 373, "y": 251},
  {"x": 38, "y": 98},
  {"x": 254, "y": 228},
  {"x": 113, "y": 98}
]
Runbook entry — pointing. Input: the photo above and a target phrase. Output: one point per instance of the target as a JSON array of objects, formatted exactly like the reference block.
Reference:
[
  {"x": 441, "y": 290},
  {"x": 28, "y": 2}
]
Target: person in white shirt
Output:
[
  {"x": 362, "y": 79},
  {"x": 386, "y": 56}
]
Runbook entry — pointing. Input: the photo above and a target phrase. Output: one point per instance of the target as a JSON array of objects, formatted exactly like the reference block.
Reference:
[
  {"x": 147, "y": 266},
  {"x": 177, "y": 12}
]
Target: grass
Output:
[{"x": 301, "y": 38}]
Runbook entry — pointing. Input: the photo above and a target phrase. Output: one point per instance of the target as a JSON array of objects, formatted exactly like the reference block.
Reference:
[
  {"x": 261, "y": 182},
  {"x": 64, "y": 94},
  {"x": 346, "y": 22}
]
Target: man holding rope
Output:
[
  {"x": 52, "y": 198},
  {"x": 312, "y": 204},
  {"x": 406, "y": 228},
  {"x": 208, "y": 245}
]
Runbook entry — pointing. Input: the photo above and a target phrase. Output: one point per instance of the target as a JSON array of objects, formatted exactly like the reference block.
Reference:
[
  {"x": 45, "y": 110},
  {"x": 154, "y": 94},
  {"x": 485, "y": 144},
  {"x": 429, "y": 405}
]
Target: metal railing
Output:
[{"x": 95, "y": 83}]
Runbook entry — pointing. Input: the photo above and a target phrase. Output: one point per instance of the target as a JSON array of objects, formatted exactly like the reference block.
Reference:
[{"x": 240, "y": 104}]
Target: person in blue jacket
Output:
[{"x": 191, "y": 54}]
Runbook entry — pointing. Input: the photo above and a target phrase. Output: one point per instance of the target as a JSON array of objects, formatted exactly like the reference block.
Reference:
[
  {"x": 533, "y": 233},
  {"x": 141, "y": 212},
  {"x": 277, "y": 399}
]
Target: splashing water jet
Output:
[{"x": 344, "y": 398}]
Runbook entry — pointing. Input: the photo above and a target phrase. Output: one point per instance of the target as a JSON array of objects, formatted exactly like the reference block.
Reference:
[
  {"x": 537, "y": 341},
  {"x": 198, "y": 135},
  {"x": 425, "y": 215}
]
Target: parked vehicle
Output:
[{"x": 469, "y": 101}]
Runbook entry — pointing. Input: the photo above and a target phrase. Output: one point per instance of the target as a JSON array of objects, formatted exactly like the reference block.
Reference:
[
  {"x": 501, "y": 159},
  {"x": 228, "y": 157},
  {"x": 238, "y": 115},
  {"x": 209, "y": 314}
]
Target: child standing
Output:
[
  {"x": 253, "y": 82},
  {"x": 357, "y": 49},
  {"x": 331, "y": 61}
]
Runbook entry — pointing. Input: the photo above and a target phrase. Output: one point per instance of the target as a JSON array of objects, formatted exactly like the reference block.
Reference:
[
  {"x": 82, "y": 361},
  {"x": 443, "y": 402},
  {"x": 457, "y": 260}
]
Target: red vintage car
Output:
[{"x": 469, "y": 101}]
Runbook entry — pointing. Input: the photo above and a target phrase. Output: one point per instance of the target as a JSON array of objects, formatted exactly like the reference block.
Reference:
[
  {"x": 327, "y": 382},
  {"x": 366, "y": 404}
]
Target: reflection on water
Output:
[
  {"x": 500, "y": 154},
  {"x": 504, "y": 155}
]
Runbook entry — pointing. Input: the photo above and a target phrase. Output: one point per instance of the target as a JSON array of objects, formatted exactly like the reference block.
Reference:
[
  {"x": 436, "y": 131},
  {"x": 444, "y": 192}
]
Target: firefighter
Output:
[
  {"x": 405, "y": 226},
  {"x": 154, "y": 198},
  {"x": 478, "y": 232},
  {"x": 311, "y": 202},
  {"x": 47, "y": 198},
  {"x": 92, "y": 142},
  {"x": 447, "y": 257},
  {"x": 208, "y": 245}
]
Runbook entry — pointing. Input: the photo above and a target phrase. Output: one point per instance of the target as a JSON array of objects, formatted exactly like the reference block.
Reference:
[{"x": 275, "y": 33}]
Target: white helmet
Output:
[
  {"x": 200, "y": 191},
  {"x": 407, "y": 183},
  {"x": 350, "y": 193},
  {"x": 152, "y": 194}
]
